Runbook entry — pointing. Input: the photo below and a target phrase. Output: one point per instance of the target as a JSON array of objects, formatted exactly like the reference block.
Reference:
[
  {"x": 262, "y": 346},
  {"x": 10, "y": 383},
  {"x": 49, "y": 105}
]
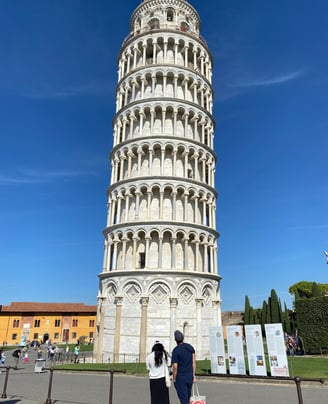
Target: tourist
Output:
[
  {"x": 157, "y": 362},
  {"x": 184, "y": 368},
  {"x": 76, "y": 353},
  {"x": 16, "y": 355}
]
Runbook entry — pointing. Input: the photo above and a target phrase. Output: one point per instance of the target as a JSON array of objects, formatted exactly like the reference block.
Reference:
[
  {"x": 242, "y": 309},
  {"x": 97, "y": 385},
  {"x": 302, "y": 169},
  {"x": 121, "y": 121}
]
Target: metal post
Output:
[
  {"x": 299, "y": 391},
  {"x": 111, "y": 379},
  {"x": 48, "y": 400},
  {"x": 4, "y": 393}
]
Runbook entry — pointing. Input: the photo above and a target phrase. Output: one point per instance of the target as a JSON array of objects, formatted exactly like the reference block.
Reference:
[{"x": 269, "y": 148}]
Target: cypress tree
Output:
[
  {"x": 256, "y": 319},
  {"x": 274, "y": 306},
  {"x": 247, "y": 311},
  {"x": 286, "y": 320},
  {"x": 263, "y": 314},
  {"x": 268, "y": 312}
]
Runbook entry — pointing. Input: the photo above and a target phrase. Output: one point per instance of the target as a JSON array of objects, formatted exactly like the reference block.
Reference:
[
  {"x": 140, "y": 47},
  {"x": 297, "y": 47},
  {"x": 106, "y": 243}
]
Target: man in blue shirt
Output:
[{"x": 184, "y": 368}]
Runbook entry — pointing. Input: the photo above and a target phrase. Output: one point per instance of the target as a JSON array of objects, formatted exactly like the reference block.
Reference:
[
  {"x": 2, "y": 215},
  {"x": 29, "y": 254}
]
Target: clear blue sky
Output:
[{"x": 58, "y": 75}]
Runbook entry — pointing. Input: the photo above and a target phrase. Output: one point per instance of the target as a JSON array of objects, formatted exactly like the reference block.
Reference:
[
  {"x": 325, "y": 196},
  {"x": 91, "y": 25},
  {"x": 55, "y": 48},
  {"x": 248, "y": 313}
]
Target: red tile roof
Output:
[{"x": 24, "y": 307}]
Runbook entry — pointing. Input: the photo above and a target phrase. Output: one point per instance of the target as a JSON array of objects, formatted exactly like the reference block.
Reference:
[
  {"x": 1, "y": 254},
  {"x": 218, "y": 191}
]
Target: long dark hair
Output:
[{"x": 159, "y": 353}]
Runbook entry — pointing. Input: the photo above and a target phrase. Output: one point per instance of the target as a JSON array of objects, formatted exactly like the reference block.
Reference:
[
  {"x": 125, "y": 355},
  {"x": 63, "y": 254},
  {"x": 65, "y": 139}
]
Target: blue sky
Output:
[{"x": 58, "y": 75}]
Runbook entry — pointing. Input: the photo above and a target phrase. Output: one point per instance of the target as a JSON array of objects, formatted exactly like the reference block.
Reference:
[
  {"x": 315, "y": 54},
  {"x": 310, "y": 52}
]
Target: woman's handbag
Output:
[
  {"x": 167, "y": 375},
  {"x": 196, "y": 398}
]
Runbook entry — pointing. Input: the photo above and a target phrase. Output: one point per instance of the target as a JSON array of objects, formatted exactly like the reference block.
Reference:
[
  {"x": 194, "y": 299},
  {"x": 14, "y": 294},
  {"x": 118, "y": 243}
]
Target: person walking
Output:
[
  {"x": 184, "y": 368},
  {"x": 2, "y": 358},
  {"x": 16, "y": 355},
  {"x": 156, "y": 362},
  {"x": 76, "y": 353}
]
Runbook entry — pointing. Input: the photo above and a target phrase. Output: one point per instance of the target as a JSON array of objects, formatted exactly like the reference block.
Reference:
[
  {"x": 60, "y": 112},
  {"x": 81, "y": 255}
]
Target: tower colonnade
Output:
[
  {"x": 165, "y": 48},
  {"x": 167, "y": 83},
  {"x": 161, "y": 157},
  {"x": 151, "y": 117},
  {"x": 168, "y": 248},
  {"x": 161, "y": 201}
]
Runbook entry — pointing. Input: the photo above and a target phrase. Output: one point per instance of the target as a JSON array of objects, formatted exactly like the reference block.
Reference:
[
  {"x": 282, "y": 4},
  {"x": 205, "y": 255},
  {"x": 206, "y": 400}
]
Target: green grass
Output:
[
  {"x": 303, "y": 366},
  {"x": 308, "y": 367},
  {"x": 83, "y": 347}
]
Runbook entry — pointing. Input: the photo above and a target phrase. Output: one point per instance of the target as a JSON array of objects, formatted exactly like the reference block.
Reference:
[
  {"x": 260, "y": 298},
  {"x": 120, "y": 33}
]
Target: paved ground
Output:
[{"x": 27, "y": 387}]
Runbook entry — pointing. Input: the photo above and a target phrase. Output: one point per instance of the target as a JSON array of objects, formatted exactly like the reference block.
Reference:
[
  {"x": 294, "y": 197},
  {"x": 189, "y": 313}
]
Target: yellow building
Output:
[{"x": 23, "y": 322}]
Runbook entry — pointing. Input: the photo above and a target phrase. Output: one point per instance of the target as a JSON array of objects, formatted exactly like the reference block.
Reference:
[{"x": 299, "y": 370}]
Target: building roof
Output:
[{"x": 23, "y": 307}]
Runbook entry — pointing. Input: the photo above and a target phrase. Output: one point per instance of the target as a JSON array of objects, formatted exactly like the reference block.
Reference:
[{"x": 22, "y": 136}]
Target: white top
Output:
[{"x": 156, "y": 372}]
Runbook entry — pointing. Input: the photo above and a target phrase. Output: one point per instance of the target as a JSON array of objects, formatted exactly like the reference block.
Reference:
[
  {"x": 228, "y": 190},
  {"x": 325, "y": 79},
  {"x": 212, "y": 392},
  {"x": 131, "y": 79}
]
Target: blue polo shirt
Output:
[{"x": 182, "y": 355}]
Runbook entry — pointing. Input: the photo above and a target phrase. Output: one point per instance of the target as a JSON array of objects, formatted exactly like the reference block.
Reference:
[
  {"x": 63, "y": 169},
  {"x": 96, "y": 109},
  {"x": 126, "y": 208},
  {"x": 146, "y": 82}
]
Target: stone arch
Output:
[
  {"x": 129, "y": 250},
  {"x": 111, "y": 291},
  {"x": 167, "y": 249},
  {"x": 208, "y": 293},
  {"x": 155, "y": 203},
  {"x": 143, "y": 202},
  {"x": 159, "y": 292},
  {"x": 156, "y": 164},
  {"x": 132, "y": 291},
  {"x": 179, "y": 251},
  {"x": 168, "y": 161},
  {"x": 167, "y": 203},
  {"x": 187, "y": 292},
  {"x": 153, "y": 250},
  {"x": 141, "y": 250}
]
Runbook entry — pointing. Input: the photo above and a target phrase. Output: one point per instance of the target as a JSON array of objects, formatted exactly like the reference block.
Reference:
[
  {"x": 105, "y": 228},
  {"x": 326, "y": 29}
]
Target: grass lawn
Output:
[
  {"x": 308, "y": 367},
  {"x": 303, "y": 366}
]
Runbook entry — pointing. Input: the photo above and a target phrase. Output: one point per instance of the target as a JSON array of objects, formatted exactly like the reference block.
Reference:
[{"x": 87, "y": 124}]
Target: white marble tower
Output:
[{"x": 160, "y": 268}]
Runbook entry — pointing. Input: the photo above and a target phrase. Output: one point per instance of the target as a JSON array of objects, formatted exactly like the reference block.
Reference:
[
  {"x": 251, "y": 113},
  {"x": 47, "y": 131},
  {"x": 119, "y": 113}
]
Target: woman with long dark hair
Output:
[{"x": 156, "y": 362}]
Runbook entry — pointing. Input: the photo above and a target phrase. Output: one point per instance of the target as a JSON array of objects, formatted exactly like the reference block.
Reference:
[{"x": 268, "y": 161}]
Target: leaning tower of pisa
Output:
[{"x": 160, "y": 268}]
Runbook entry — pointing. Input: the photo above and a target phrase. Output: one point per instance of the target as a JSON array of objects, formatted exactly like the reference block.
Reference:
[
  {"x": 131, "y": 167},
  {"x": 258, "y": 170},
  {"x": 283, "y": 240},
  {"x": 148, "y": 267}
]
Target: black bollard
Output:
[
  {"x": 111, "y": 380},
  {"x": 299, "y": 391},
  {"x": 48, "y": 400},
  {"x": 4, "y": 393}
]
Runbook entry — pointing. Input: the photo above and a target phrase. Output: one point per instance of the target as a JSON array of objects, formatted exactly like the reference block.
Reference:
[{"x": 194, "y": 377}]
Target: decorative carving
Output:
[
  {"x": 207, "y": 294},
  {"x": 111, "y": 292},
  {"x": 186, "y": 293},
  {"x": 159, "y": 292},
  {"x": 132, "y": 292}
]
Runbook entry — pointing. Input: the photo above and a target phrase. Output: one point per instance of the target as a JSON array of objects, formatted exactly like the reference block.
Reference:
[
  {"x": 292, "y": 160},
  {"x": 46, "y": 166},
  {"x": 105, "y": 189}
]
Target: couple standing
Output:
[{"x": 183, "y": 366}]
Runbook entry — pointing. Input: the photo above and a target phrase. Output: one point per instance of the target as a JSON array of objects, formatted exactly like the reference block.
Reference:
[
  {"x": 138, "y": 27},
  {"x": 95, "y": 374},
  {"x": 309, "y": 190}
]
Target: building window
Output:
[
  {"x": 56, "y": 335},
  {"x": 35, "y": 335},
  {"x": 75, "y": 322},
  {"x": 90, "y": 335},
  {"x": 36, "y": 323},
  {"x": 74, "y": 335},
  {"x": 14, "y": 337},
  {"x": 57, "y": 323},
  {"x": 16, "y": 324},
  {"x": 91, "y": 323}
]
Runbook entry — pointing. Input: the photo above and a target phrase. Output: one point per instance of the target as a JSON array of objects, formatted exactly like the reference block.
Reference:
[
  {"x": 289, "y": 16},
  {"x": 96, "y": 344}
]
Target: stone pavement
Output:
[{"x": 27, "y": 387}]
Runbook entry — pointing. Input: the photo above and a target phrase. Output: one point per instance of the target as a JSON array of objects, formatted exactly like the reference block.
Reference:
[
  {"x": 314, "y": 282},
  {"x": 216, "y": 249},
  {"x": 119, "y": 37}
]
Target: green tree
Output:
[
  {"x": 315, "y": 290},
  {"x": 275, "y": 308},
  {"x": 263, "y": 314},
  {"x": 296, "y": 295},
  {"x": 286, "y": 320},
  {"x": 268, "y": 312},
  {"x": 304, "y": 289},
  {"x": 247, "y": 311}
]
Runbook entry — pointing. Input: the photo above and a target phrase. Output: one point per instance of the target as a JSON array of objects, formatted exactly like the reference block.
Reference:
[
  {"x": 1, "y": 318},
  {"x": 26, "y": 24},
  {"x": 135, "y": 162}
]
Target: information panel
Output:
[
  {"x": 276, "y": 350},
  {"x": 255, "y": 350},
  {"x": 235, "y": 350},
  {"x": 218, "y": 363}
]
